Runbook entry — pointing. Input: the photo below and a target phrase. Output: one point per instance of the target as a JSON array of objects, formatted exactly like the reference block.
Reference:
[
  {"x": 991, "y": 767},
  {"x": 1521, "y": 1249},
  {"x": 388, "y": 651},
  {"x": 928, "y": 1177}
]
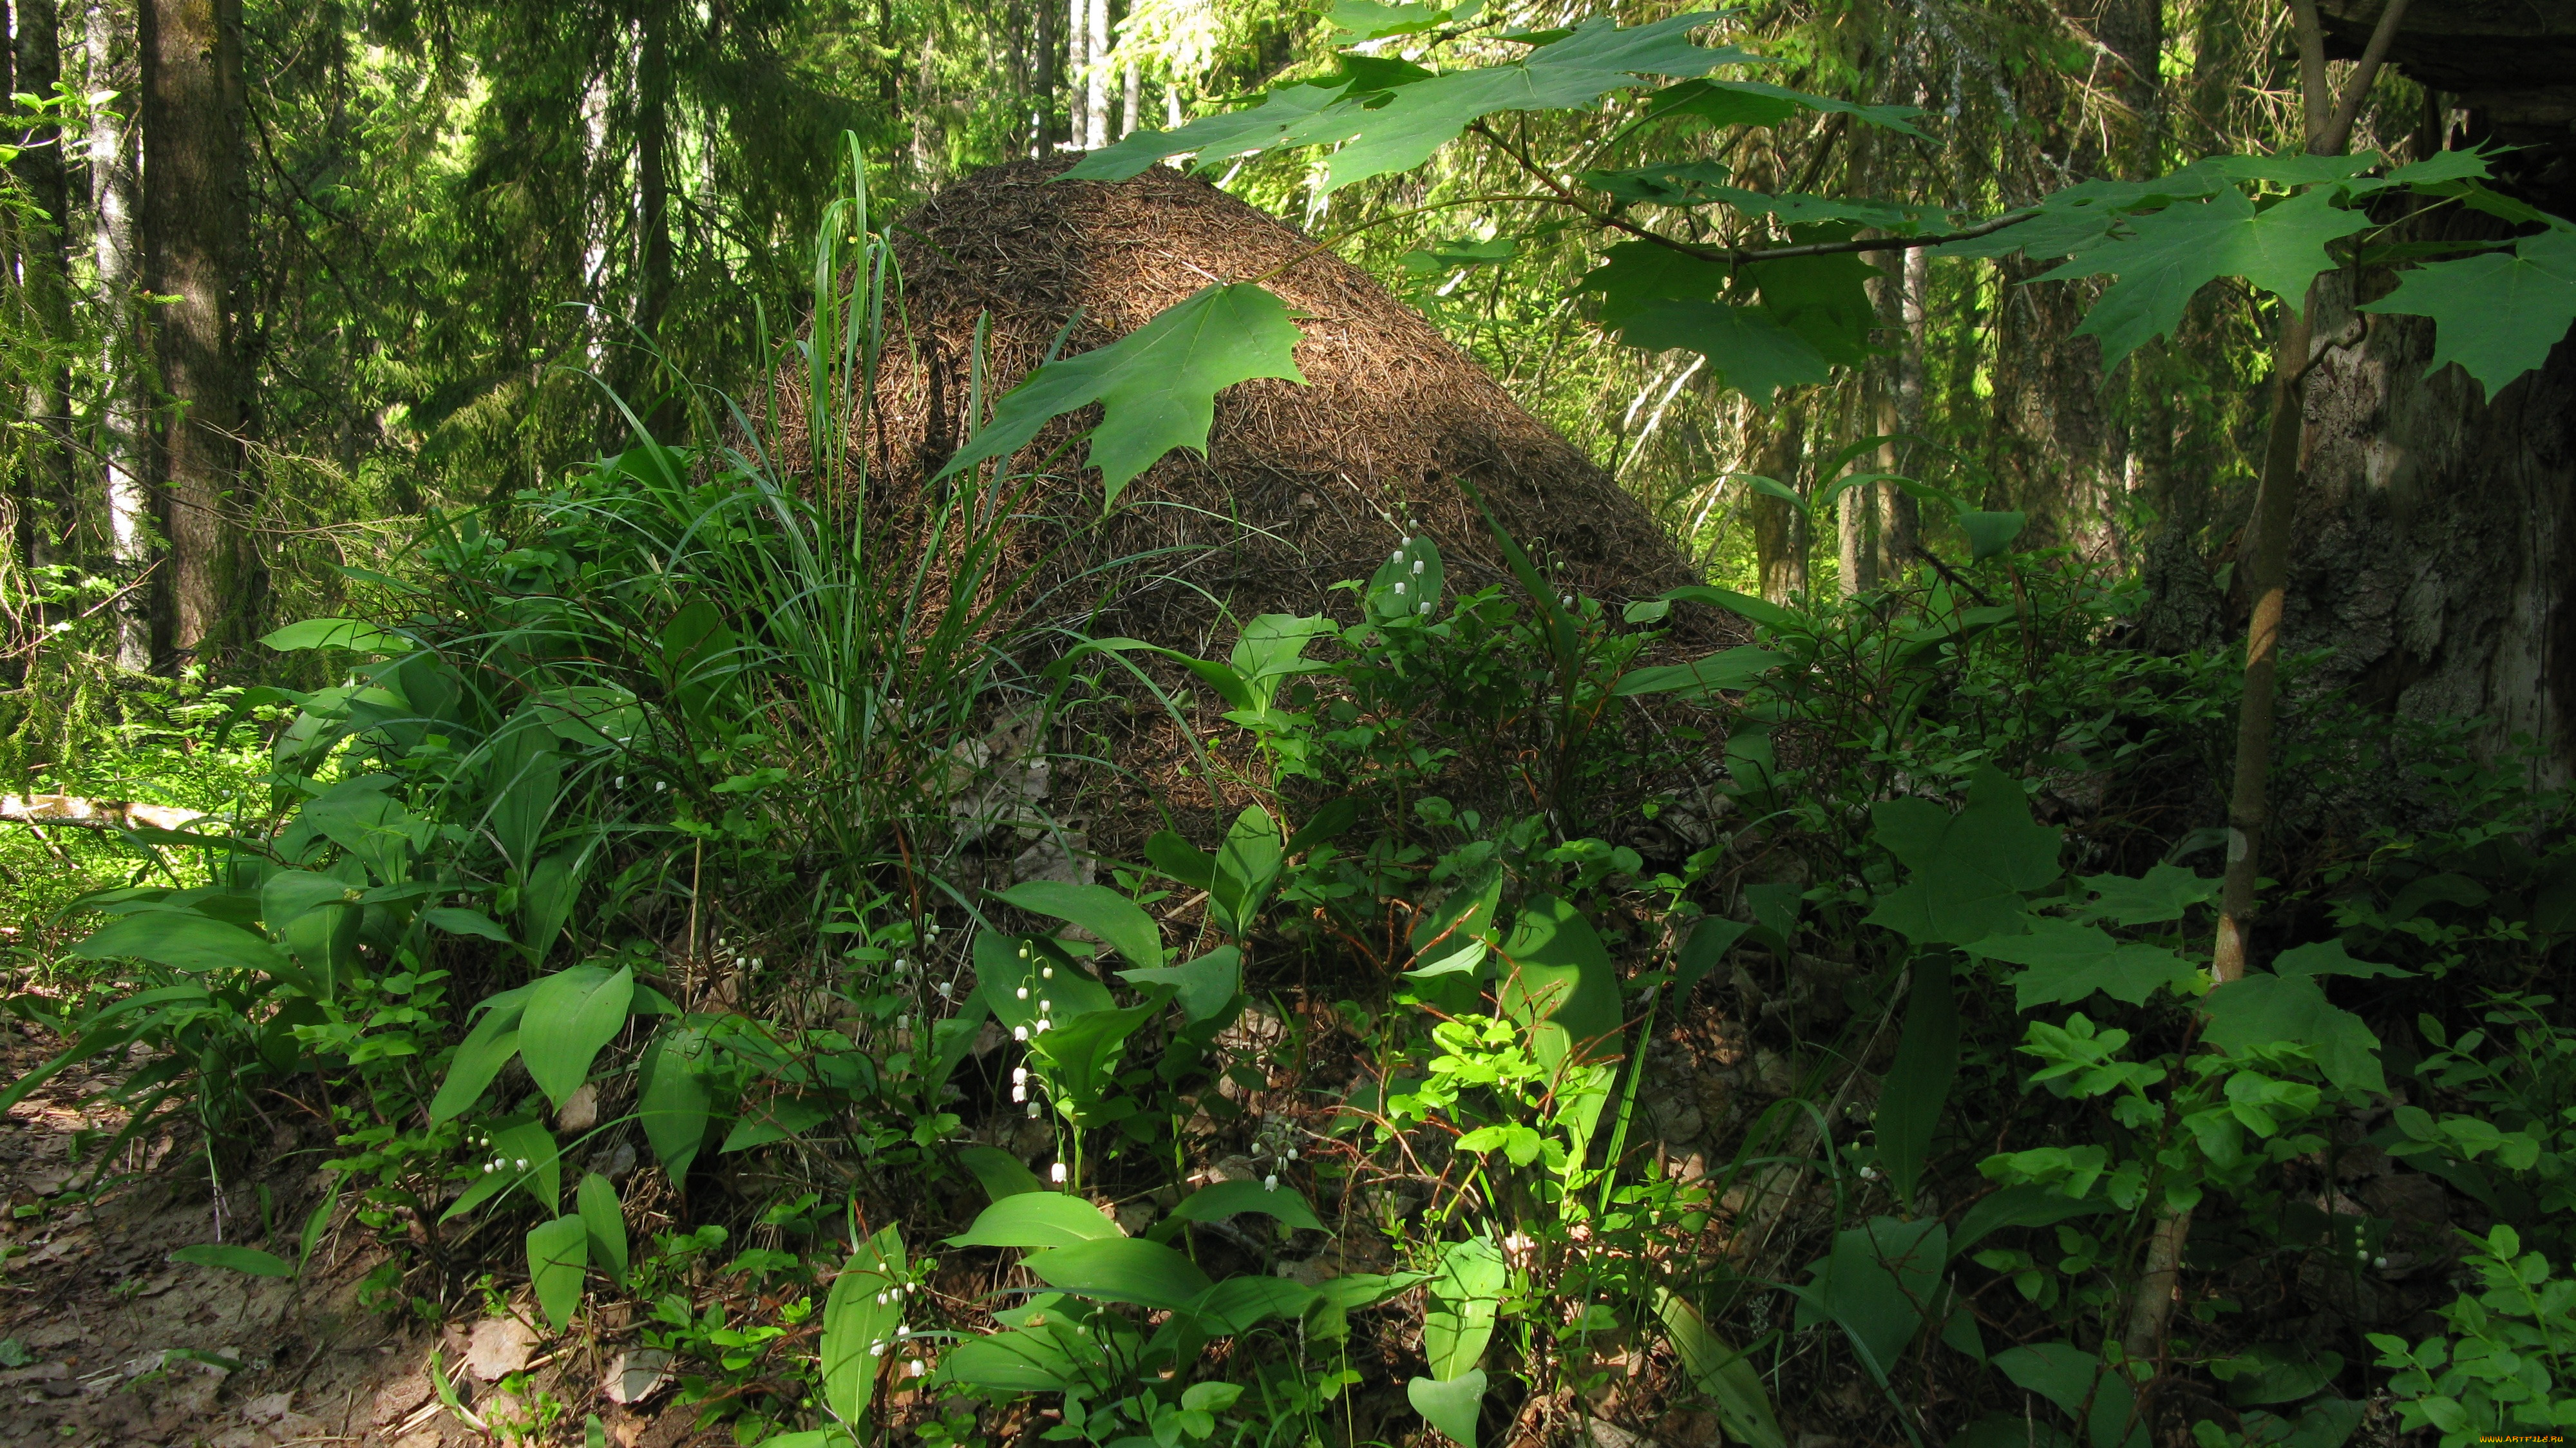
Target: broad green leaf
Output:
[
  {"x": 1239, "y": 1304},
  {"x": 1220, "y": 1200},
  {"x": 486, "y": 1049},
  {"x": 235, "y": 1259},
  {"x": 2261, "y": 1009},
  {"x": 2166, "y": 892},
  {"x": 1081, "y": 1055},
  {"x": 1247, "y": 866},
  {"x": 317, "y": 1223},
  {"x": 523, "y": 1154},
  {"x": 778, "y": 1119},
  {"x": 1359, "y": 20},
  {"x": 2328, "y": 957},
  {"x": 671, "y": 1100},
  {"x": 1750, "y": 350},
  {"x": 1019, "y": 1361},
  {"x": 1466, "y": 1293},
  {"x": 2021, "y": 1206},
  {"x": 557, "y": 1253},
  {"x": 1121, "y": 1269},
  {"x": 1117, "y": 920},
  {"x": 2080, "y": 216},
  {"x": 1877, "y": 1285},
  {"x": 1917, "y": 1089},
  {"x": 457, "y": 920},
  {"x": 1707, "y": 946},
  {"x": 1989, "y": 533},
  {"x": 2169, "y": 255},
  {"x": 1202, "y": 986},
  {"x": 1762, "y": 611},
  {"x": 2497, "y": 314},
  {"x": 1970, "y": 869},
  {"x": 1306, "y": 114},
  {"x": 1557, "y": 970},
  {"x": 358, "y": 816},
  {"x": 998, "y": 1172},
  {"x": 1174, "y": 856},
  {"x": 1037, "y": 1219},
  {"x": 1722, "y": 1374},
  {"x": 335, "y": 633},
  {"x": 570, "y": 1016},
  {"x": 860, "y": 1319},
  {"x": 1451, "y": 938},
  {"x": 2072, "y": 1378},
  {"x": 316, "y": 917},
  {"x": 547, "y": 902},
  {"x": 1733, "y": 669},
  {"x": 1006, "y": 966},
  {"x": 1451, "y": 1405},
  {"x": 184, "y": 940},
  {"x": 1156, "y": 386},
  {"x": 2065, "y": 962},
  {"x": 1755, "y": 103},
  {"x": 603, "y": 1217},
  {"x": 1596, "y": 58}
]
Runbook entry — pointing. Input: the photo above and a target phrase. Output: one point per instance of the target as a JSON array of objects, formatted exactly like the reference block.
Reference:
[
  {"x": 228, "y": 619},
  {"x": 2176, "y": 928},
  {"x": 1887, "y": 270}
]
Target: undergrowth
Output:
[{"x": 1816, "y": 1037}]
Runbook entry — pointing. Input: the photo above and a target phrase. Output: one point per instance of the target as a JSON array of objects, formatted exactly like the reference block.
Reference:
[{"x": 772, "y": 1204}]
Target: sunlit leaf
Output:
[
  {"x": 1156, "y": 386},
  {"x": 557, "y": 1253},
  {"x": 570, "y": 1016},
  {"x": 2167, "y": 256},
  {"x": 860, "y": 1319},
  {"x": 2497, "y": 314},
  {"x": 1037, "y": 1219},
  {"x": 1451, "y": 1405}
]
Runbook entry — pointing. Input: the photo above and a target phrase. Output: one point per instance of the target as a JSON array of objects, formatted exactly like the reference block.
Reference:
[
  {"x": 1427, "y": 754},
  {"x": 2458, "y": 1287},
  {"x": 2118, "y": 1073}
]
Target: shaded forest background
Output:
[{"x": 382, "y": 256}]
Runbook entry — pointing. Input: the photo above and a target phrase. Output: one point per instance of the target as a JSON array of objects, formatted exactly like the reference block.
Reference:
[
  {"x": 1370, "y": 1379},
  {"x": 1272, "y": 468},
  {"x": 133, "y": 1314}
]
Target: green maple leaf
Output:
[
  {"x": 1755, "y": 103},
  {"x": 1970, "y": 869},
  {"x": 2165, "y": 893},
  {"x": 1361, "y": 20},
  {"x": 1156, "y": 386},
  {"x": 1306, "y": 114},
  {"x": 2497, "y": 314},
  {"x": 1814, "y": 312},
  {"x": 2065, "y": 962},
  {"x": 1391, "y": 117},
  {"x": 2262, "y": 1009},
  {"x": 1596, "y": 58},
  {"x": 2169, "y": 255}
]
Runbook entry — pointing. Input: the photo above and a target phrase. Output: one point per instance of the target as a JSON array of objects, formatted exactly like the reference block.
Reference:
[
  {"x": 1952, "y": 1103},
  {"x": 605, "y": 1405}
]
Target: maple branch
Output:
[
  {"x": 1738, "y": 255},
  {"x": 2365, "y": 73}
]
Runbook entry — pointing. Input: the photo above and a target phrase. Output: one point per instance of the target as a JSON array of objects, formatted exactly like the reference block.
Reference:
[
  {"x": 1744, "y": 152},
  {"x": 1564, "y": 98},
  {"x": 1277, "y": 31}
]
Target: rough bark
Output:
[
  {"x": 123, "y": 492},
  {"x": 1779, "y": 535},
  {"x": 2434, "y": 548},
  {"x": 38, "y": 66},
  {"x": 192, "y": 107}
]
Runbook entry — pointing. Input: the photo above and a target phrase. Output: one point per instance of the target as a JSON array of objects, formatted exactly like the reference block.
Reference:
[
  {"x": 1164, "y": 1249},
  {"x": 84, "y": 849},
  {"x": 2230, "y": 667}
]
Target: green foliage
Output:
[
  {"x": 2505, "y": 1367},
  {"x": 1156, "y": 386}
]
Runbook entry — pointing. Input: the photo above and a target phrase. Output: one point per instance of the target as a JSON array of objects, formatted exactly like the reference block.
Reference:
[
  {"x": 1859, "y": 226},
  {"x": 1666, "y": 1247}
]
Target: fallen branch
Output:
[{"x": 93, "y": 814}]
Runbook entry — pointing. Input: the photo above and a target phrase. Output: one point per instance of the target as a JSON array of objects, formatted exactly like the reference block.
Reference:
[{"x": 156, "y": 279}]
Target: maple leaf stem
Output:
[{"x": 1564, "y": 195}]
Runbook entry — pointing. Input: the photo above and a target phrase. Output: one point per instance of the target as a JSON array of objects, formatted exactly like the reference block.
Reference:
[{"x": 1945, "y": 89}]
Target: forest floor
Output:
[{"x": 107, "y": 1343}]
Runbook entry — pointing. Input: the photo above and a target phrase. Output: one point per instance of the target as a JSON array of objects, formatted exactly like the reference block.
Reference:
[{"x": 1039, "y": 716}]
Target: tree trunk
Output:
[
  {"x": 653, "y": 252},
  {"x": 1900, "y": 525},
  {"x": 126, "y": 499},
  {"x": 192, "y": 106},
  {"x": 38, "y": 66},
  {"x": 1050, "y": 76},
  {"x": 1095, "y": 79},
  {"x": 1779, "y": 539},
  {"x": 2435, "y": 547}
]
